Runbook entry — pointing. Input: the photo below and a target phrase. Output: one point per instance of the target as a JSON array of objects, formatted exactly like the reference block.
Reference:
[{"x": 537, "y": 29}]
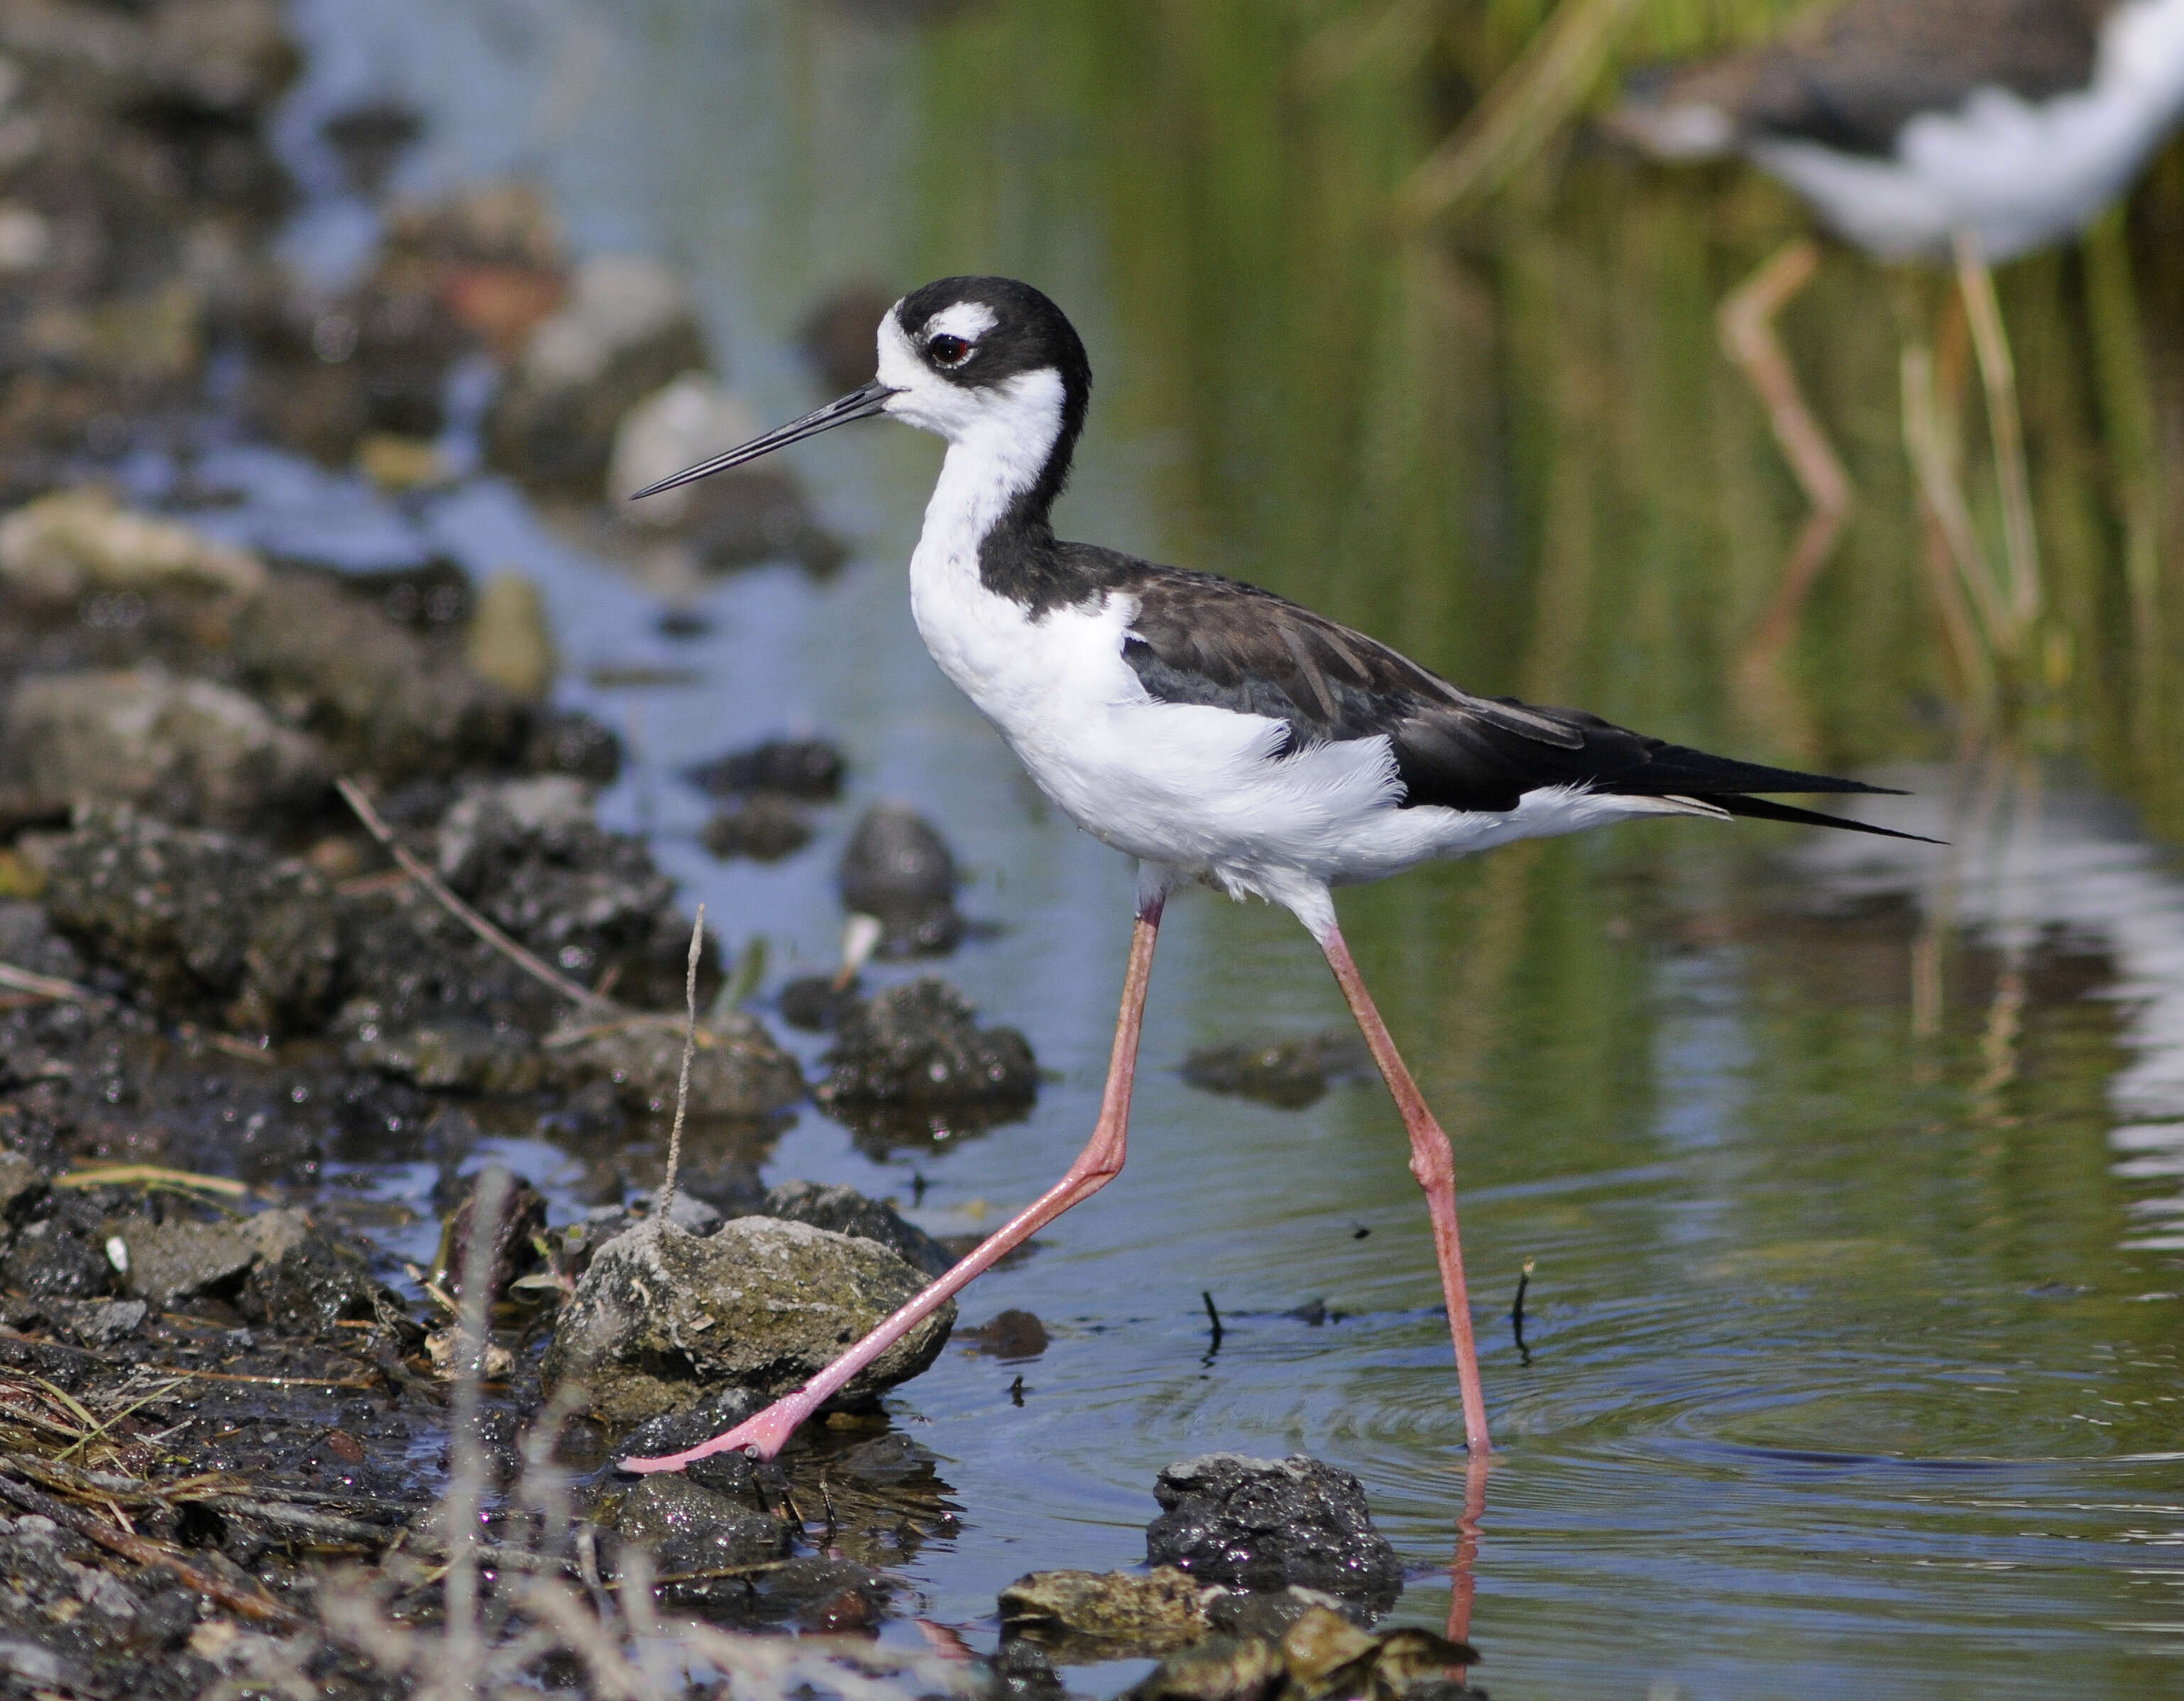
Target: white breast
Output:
[{"x": 2018, "y": 175}]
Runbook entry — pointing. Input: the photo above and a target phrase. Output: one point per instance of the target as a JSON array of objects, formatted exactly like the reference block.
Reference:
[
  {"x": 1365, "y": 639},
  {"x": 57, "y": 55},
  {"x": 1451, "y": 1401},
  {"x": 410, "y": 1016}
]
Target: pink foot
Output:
[{"x": 764, "y": 1434}]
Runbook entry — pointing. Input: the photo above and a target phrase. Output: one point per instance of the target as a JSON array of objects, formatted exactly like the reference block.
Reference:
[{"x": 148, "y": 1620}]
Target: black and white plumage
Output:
[
  {"x": 1210, "y": 730},
  {"x": 1907, "y": 122}
]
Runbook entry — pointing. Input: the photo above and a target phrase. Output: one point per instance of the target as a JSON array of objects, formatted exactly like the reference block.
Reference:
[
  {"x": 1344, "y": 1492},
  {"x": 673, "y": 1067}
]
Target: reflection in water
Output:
[{"x": 2030, "y": 866}]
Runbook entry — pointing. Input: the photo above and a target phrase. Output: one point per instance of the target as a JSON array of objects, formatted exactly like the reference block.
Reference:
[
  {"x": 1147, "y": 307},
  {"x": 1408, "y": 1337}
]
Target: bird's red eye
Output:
[{"x": 949, "y": 351}]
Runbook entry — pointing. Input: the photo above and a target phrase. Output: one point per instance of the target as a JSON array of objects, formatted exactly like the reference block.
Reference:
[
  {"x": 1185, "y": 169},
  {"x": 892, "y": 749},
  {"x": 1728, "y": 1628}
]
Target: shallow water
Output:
[{"x": 1852, "y": 1178}]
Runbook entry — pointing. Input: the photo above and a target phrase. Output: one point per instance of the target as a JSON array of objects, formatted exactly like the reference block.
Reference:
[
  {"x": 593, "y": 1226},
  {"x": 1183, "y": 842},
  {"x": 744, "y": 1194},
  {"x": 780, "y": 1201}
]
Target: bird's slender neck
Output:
[{"x": 994, "y": 501}]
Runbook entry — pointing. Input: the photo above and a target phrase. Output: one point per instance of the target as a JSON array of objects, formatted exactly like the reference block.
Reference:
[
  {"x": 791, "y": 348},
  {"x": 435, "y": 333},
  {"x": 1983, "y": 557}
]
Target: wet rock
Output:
[
  {"x": 1318, "y": 1656},
  {"x": 754, "y": 514},
  {"x": 172, "y": 1261},
  {"x": 204, "y": 925},
  {"x": 898, "y": 868},
  {"x": 1106, "y": 1614},
  {"x": 736, "y": 1071},
  {"x": 919, "y": 1044},
  {"x": 1012, "y": 1335},
  {"x": 188, "y": 749},
  {"x": 451, "y": 1056},
  {"x": 56, "y": 1257},
  {"x": 844, "y": 1211},
  {"x": 625, "y": 330},
  {"x": 693, "y": 1528},
  {"x": 97, "y": 1324},
  {"x": 27, "y": 941},
  {"x": 757, "y": 1483},
  {"x": 1022, "y": 1671},
  {"x": 22, "y": 1186},
  {"x": 371, "y": 139},
  {"x": 511, "y": 644},
  {"x": 659, "y": 1316},
  {"x": 1261, "y": 1523},
  {"x": 1289, "y": 1072},
  {"x": 529, "y": 855},
  {"x": 302, "y": 1282},
  {"x": 1269, "y": 1616},
  {"x": 1219, "y": 1669},
  {"x": 815, "y": 1002},
  {"x": 807, "y": 768},
  {"x": 383, "y": 698},
  {"x": 61, "y": 547},
  {"x": 765, "y": 827},
  {"x": 568, "y": 741},
  {"x": 841, "y": 337}
]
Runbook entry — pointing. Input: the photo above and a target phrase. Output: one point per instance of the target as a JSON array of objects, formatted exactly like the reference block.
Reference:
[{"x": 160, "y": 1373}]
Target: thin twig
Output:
[
  {"x": 667, "y": 1204},
  {"x": 51, "y": 986},
  {"x": 535, "y": 967},
  {"x": 466, "y": 1482}
]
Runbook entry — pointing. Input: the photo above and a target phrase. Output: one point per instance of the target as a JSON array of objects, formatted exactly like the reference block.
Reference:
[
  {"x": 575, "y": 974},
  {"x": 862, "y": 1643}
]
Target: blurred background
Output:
[{"x": 1851, "y": 1179}]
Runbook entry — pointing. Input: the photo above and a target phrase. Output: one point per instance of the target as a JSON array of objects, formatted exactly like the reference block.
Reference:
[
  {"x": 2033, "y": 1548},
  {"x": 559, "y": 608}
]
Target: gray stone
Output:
[
  {"x": 65, "y": 546},
  {"x": 22, "y": 1184},
  {"x": 847, "y": 1211},
  {"x": 737, "y": 1069},
  {"x": 694, "y": 1529},
  {"x": 182, "y": 1260},
  {"x": 444, "y": 1056},
  {"x": 1106, "y": 1614},
  {"x": 186, "y": 749},
  {"x": 27, "y": 941},
  {"x": 898, "y": 868},
  {"x": 659, "y": 1317},
  {"x": 920, "y": 1044}
]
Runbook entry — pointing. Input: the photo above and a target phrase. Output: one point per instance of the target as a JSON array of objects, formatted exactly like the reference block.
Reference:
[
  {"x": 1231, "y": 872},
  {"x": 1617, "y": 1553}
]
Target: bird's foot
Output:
[{"x": 762, "y": 1436}]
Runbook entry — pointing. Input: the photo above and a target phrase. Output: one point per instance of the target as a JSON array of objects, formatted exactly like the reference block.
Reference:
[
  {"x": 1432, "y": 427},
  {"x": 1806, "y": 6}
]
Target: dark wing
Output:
[
  {"x": 1199, "y": 638},
  {"x": 1852, "y": 77}
]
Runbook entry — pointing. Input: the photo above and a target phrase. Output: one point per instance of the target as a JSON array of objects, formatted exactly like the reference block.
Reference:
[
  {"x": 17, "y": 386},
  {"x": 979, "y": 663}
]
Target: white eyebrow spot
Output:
[{"x": 969, "y": 319}]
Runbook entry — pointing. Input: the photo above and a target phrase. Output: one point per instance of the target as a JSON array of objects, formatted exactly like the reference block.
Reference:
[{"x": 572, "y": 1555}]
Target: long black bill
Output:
[{"x": 858, "y": 405}]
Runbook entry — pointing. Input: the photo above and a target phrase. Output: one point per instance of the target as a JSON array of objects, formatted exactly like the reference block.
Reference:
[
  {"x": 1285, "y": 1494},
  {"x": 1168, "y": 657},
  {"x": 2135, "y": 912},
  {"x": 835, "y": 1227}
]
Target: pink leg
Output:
[
  {"x": 1099, "y": 1163},
  {"x": 1436, "y": 1172}
]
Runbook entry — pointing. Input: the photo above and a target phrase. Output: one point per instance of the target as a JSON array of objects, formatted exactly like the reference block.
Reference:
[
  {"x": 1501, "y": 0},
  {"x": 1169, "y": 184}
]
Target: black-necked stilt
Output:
[
  {"x": 1915, "y": 128},
  {"x": 1212, "y": 731}
]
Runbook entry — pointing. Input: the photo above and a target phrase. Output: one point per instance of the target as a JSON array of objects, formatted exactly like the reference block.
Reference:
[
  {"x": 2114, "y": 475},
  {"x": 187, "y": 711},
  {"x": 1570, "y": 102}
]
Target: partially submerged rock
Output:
[
  {"x": 694, "y": 1529},
  {"x": 1009, "y": 1336},
  {"x": 1106, "y": 1614},
  {"x": 898, "y": 869},
  {"x": 1321, "y": 1656},
  {"x": 1261, "y": 1523},
  {"x": 276, "y": 1268},
  {"x": 660, "y": 1316},
  {"x": 920, "y": 1044},
  {"x": 1288, "y": 1072},
  {"x": 807, "y": 768},
  {"x": 189, "y": 750},
  {"x": 764, "y": 827}
]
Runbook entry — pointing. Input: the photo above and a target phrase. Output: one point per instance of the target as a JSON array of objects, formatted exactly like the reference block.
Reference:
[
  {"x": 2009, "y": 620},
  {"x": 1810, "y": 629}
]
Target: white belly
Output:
[
  {"x": 1196, "y": 789},
  {"x": 2018, "y": 175}
]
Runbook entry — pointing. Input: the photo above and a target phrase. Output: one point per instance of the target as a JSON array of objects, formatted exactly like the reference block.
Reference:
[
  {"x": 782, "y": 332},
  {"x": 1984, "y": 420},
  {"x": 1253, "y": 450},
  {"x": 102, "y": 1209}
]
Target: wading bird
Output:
[
  {"x": 1916, "y": 128},
  {"x": 1213, "y": 732}
]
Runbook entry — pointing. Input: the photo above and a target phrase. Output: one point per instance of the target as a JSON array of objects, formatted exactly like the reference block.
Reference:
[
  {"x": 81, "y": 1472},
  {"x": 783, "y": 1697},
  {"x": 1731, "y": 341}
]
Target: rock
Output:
[
  {"x": 1289, "y": 1072},
  {"x": 918, "y": 1043},
  {"x": 1107, "y": 1615},
  {"x": 815, "y": 1003},
  {"x": 692, "y": 418},
  {"x": 736, "y": 1071},
  {"x": 625, "y": 330},
  {"x": 822, "y": 1595},
  {"x": 844, "y": 1211},
  {"x": 807, "y": 768},
  {"x": 1269, "y": 1617},
  {"x": 371, "y": 138},
  {"x": 383, "y": 698},
  {"x": 56, "y": 1257},
  {"x": 897, "y": 867},
  {"x": 1012, "y": 1335},
  {"x": 359, "y": 376},
  {"x": 568, "y": 741},
  {"x": 1261, "y": 1523},
  {"x": 841, "y": 337},
  {"x": 177, "y": 1260},
  {"x": 301, "y": 1281},
  {"x": 766, "y": 828},
  {"x": 753, "y": 514},
  {"x": 691, "y": 1528},
  {"x": 511, "y": 644},
  {"x": 452, "y": 1056},
  {"x": 659, "y": 1317},
  {"x": 188, "y": 750},
  {"x": 63, "y": 547},
  {"x": 758, "y": 1483},
  {"x": 528, "y": 854},
  {"x": 22, "y": 1186},
  {"x": 1022, "y": 1671},
  {"x": 97, "y": 1324},
  {"x": 27, "y": 941},
  {"x": 202, "y": 924},
  {"x": 1220, "y": 1669}
]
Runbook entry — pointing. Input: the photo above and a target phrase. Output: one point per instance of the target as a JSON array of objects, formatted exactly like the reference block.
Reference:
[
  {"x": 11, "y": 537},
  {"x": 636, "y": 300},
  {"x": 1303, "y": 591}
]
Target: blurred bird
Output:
[
  {"x": 1213, "y": 732},
  {"x": 1918, "y": 129}
]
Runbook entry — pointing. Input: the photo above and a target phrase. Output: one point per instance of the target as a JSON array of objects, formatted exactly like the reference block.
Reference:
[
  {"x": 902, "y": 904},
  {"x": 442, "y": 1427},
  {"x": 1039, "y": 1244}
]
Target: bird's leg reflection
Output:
[{"x": 1463, "y": 1569}]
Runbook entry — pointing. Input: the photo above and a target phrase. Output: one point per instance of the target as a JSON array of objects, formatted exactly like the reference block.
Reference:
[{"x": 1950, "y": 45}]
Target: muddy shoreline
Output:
[{"x": 300, "y": 870}]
